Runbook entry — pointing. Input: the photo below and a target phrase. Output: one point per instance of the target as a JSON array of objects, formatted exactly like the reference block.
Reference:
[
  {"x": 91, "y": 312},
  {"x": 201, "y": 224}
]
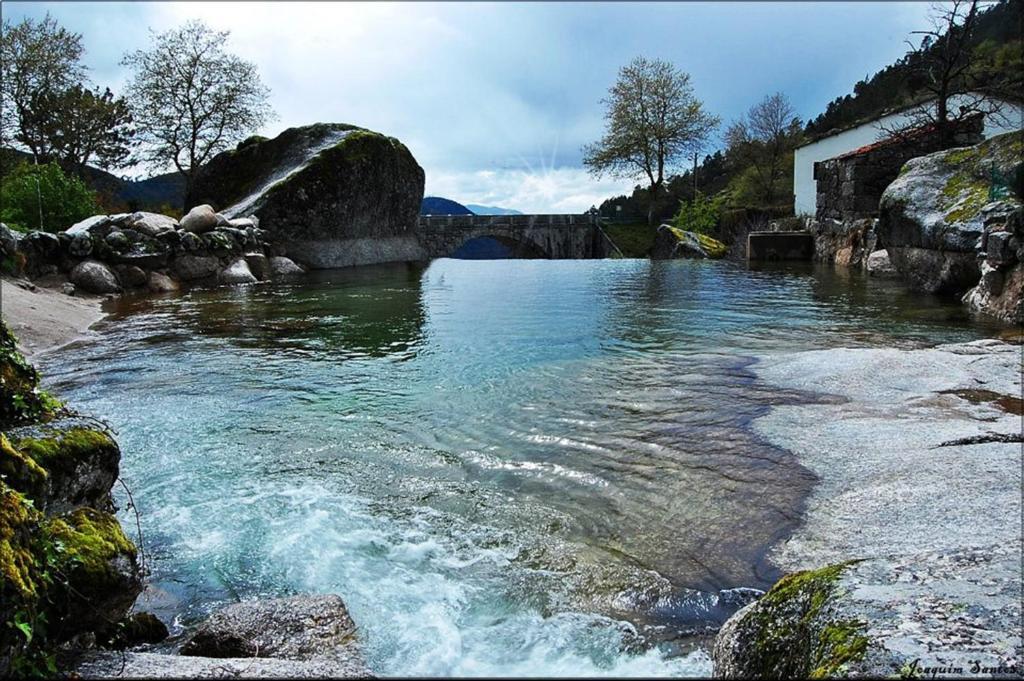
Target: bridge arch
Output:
[
  {"x": 494, "y": 245},
  {"x": 523, "y": 236}
]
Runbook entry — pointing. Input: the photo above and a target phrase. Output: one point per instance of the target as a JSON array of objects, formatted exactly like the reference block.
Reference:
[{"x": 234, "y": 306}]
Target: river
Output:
[{"x": 516, "y": 467}]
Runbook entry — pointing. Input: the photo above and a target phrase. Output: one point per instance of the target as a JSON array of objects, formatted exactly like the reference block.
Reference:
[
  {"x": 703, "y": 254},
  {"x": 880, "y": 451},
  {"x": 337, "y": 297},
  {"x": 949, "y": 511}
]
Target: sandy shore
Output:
[{"x": 43, "y": 318}]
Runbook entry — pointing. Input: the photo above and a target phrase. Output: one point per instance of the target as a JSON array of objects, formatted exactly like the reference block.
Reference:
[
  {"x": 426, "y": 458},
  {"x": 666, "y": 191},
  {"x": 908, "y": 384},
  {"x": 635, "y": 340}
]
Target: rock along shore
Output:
[{"x": 910, "y": 554}]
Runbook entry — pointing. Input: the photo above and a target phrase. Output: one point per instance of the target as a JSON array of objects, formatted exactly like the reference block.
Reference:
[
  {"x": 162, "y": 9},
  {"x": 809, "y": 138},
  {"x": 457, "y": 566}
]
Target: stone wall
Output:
[
  {"x": 850, "y": 186},
  {"x": 539, "y": 236}
]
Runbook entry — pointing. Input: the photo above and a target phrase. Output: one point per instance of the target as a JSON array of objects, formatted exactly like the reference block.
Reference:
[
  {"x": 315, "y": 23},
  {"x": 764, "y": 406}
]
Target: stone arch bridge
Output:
[{"x": 527, "y": 236}]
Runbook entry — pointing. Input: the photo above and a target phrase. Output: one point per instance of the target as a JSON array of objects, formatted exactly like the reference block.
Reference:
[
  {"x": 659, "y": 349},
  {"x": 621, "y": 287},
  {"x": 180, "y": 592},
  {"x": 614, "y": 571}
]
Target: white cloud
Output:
[{"x": 558, "y": 190}]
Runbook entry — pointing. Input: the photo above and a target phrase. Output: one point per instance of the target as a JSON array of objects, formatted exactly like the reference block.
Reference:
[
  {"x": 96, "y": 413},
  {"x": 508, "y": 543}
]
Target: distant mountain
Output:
[
  {"x": 491, "y": 210},
  {"x": 436, "y": 205}
]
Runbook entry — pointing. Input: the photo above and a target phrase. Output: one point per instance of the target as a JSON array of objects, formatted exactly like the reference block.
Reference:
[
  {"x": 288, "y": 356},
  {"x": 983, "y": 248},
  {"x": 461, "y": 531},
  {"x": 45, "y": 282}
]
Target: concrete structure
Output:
[
  {"x": 869, "y": 132},
  {"x": 528, "y": 236},
  {"x": 772, "y": 246}
]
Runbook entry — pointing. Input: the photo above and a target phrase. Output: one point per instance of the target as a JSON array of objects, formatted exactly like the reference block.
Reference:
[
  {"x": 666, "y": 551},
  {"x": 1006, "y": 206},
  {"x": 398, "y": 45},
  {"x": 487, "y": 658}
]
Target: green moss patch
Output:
[
  {"x": 87, "y": 542},
  {"x": 793, "y": 634},
  {"x": 18, "y": 560},
  {"x": 19, "y": 470},
  {"x": 21, "y": 400},
  {"x": 63, "y": 449}
]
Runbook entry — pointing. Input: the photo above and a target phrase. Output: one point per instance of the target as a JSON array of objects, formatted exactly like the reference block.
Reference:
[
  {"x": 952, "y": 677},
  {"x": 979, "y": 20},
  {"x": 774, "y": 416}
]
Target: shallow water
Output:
[{"x": 503, "y": 467}]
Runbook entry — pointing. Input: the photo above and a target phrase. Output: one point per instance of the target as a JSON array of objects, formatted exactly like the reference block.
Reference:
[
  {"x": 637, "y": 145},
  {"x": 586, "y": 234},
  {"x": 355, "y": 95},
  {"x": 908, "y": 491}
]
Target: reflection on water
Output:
[{"x": 504, "y": 467}]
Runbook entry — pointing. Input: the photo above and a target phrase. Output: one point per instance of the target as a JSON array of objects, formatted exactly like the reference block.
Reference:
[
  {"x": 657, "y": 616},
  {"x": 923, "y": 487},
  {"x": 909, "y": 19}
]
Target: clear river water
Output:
[{"x": 521, "y": 467}]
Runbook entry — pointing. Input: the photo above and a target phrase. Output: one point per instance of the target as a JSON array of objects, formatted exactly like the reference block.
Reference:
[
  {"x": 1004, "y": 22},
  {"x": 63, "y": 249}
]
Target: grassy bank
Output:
[{"x": 633, "y": 239}]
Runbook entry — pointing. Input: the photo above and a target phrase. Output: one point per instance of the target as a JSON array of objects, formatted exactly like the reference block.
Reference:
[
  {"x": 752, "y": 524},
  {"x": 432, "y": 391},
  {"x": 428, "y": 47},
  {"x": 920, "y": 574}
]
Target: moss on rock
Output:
[
  {"x": 21, "y": 399},
  {"x": 793, "y": 631},
  {"x": 18, "y": 559}
]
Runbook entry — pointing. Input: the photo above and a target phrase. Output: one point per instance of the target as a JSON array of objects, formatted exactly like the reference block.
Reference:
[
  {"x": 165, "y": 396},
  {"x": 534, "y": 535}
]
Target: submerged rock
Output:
[
  {"x": 161, "y": 283},
  {"x": 94, "y": 277},
  {"x": 331, "y": 194},
  {"x": 296, "y": 628},
  {"x": 281, "y": 266},
  {"x": 236, "y": 273}
]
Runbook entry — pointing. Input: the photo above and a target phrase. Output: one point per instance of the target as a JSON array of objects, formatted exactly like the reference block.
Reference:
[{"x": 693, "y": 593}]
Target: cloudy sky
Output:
[{"x": 495, "y": 100}]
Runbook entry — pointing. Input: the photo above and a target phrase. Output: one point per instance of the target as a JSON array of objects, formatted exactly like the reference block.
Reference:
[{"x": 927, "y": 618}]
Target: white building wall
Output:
[{"x": 804, "y": 187}]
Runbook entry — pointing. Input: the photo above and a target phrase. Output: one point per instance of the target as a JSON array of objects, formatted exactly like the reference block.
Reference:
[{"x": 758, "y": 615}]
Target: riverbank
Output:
[
  {"x": 918, "y": 455},
  {"x": 44, "y": 318}
]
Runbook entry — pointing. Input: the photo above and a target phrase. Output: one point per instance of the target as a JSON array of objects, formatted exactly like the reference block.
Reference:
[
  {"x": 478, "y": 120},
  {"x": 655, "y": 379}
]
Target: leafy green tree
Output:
[
  {"x": 653, "y": 122},
  {"x": 83, "y": 126},
  {"x": 191, "y": 99},
  {"x": 44, "y": 197},
  {"x": 36, "y": 57},
  {"x": 699, "y": 214}
]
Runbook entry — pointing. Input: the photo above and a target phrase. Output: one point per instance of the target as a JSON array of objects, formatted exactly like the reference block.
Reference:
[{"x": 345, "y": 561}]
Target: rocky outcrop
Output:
[
  {"x": 917, "y": 511},
  {"x": 846, "y": 243},
  {"x": 1000, "y": 289},
  {"x": 108, "y": 254},
  {"x": 294, "y": 637},
  {"x": 295, "y": 628},
  {"x": 68, "y": 569},
  {"x": 329, "y": 195},
  {"x": 932, "y": 217},
  {"x": 671, "y": 242}
]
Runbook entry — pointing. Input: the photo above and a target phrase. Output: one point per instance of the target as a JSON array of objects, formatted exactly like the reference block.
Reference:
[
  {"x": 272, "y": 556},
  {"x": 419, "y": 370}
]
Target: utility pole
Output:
[{"x": 695, "y": 176}]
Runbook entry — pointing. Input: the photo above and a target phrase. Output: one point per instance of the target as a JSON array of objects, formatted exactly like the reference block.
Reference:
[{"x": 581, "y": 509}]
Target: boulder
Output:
[
  {"x": 80, "y": 246},
  {"x": 118, "y": 241},
  {"x": 672, "y": 242},
  {"x": 191, "y": 243},
  {"x": 8, "y": 240},
  {"x": 108, "y": 664},
  {"x": 152, "y": 224},
  {"x": 100, "y": 574},
  {"x": 236, "y": 273},
  {"x": 132, "y": 276},
  {"x": 332, "y": 194},
  {"x": 94, "y": 277},
  {"x": 999, "y": 292},
  {"x": 161, "y": 283},
  {"x": 259, "y": 265},
  {"x": 281, "y": 266},
  {"x": 138, "y": 628},
  {"x": 878, "y": 264},
  {"x": 190, "y": 267},
  {"x": 97, "y": 224},
  {"x": 80, "y": 460},
  {"x": 199, "y": 220},
  {"x": 293, "y": 628},
  {"x": 932, "y": 217}
]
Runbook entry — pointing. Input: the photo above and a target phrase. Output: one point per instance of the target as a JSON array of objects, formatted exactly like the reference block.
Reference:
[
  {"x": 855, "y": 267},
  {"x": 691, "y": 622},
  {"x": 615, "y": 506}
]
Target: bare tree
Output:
[
  {"x": 37, "y": 58},
  {"x": 943, "y": 71},
  {"x": 652, "y": 122},
  {"x": 763, "y": 140},
  {"x": 190, "y": 99}
]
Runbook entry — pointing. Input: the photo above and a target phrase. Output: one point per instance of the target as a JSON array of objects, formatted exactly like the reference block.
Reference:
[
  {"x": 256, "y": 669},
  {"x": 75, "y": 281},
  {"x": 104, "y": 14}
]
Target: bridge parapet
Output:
[{"x": 427, "y": 222}]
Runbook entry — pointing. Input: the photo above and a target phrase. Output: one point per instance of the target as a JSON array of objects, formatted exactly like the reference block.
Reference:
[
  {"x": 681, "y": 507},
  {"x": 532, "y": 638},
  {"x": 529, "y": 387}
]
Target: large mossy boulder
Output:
[
  {"x": 933, "y": 216},
  {"x": 793, "y": 632},
  {"x": 671, "y": 242},
  {"x": 329, "y": 195},
  {"x": 66, "y": 566}
]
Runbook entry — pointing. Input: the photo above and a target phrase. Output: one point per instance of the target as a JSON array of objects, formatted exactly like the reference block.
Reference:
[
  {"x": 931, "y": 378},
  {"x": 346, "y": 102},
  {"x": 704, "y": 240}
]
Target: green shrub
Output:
[
  {"x": 699, "y": 215},
  {"x": 64, "y": 199}
]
